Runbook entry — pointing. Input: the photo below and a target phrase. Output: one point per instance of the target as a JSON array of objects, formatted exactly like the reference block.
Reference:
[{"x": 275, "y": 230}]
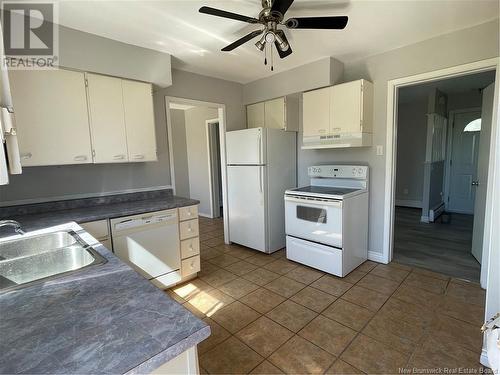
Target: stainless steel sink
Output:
[
  {"x": 32, "y": 245},
  {"x": 30, "y": 259}
]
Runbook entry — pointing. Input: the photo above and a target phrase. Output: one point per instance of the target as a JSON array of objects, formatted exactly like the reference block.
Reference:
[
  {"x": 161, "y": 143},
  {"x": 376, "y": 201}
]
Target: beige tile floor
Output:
[{"x": 269, "y": 315}]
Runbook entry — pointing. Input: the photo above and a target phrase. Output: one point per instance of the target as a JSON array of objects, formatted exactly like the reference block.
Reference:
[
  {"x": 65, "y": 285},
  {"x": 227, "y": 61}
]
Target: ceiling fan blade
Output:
[
  {"x": 243, "y": 40},
  {"x": 333, "y": 22},
  {"x": 281, "y": 53},
  {"x": 281, "y": 6},
  {"x": 223, "y": 13}
]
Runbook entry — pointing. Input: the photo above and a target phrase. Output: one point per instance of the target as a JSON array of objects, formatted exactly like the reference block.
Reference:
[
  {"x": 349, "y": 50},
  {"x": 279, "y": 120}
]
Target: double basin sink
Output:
[{"x": 29, "y": 259}]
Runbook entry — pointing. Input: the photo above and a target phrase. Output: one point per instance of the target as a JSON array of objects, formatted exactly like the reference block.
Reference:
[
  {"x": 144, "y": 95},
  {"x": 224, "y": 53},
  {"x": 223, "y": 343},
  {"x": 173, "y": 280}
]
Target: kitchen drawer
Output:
[
  {"x": 97, "y": 229},
  {"x": 190, "y": 247},
  {"x": 188, "y": 213},
  {"x": 188, "y": 229},
  {"x": 190, "y": 266}
]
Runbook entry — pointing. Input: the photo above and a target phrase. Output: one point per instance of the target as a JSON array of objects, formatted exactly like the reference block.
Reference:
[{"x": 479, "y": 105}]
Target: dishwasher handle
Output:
[{"x": 145, "y": 220}]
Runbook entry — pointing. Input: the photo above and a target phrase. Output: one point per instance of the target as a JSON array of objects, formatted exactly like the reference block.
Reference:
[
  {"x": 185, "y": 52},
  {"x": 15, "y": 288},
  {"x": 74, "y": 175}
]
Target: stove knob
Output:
[{"x": 354, "y": 171}]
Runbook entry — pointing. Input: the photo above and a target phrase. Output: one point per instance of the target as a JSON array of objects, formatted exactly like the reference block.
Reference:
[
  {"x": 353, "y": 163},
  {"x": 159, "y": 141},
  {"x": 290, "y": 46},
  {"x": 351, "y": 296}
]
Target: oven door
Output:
[{"x": 318, "y": 220}]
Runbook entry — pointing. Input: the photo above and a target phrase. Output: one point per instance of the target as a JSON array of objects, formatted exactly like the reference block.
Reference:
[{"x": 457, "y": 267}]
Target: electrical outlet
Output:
[{"x": 380, "y": 150}]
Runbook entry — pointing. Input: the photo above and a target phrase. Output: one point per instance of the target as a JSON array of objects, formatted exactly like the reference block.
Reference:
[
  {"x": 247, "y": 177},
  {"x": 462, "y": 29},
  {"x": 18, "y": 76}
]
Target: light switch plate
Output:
[{"x": 380, "y": 150}]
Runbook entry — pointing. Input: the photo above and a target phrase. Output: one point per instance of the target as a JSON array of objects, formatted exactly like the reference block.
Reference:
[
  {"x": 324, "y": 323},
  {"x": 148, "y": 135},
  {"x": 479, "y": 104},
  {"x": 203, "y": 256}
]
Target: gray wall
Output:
[
  {"x": 464, "y": 46},
  {"x": 179, "y": 150},
  {"x": 321, "y": 73},
  {"x": 412, "y": 134},
  {"x": 197, "y": 155},
  {"x": 46, "y": 183}
]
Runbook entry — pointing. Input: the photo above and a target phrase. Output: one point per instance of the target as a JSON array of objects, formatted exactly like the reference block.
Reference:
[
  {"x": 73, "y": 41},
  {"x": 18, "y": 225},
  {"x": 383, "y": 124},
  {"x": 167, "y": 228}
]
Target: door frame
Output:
[
  {"x": 213, "y": 201},
  {"x": 490, "y": 275},
  {"x": 222, "y": 139},
  {"x": 449, "y": 144}
]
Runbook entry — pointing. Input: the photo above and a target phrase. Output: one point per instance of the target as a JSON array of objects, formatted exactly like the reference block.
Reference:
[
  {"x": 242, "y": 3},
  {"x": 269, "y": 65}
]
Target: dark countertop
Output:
[
  {"x": 33, "y": 217},
  {"x": 103, "y": 319}
]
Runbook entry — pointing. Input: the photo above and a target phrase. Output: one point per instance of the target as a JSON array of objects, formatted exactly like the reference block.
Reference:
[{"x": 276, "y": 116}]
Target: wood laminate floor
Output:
[{"x": 444, "y": 248}]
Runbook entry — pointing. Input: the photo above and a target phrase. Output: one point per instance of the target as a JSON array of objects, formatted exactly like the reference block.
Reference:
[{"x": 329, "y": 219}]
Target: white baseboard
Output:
[
  {"x": 205, "y": 215},
  {"x": 436, "y": 212},
  {"x": 409, "y": 203},
  {"x": 81, "y": 196},
  {"x": 484, "y": 358},
  {"x": 375, "y": 256}
]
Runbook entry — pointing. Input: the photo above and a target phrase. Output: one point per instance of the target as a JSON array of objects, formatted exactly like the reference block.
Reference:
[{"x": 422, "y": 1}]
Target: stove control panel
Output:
[{"x": 339, "y": 171}]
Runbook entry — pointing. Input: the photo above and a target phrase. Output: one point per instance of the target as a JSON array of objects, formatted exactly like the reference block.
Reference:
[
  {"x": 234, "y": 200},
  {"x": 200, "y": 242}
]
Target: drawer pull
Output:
[
  {"x": 80, "y": 158},
  {"x": 118, "y": 157},
  {"x": 138, "y": 156}
]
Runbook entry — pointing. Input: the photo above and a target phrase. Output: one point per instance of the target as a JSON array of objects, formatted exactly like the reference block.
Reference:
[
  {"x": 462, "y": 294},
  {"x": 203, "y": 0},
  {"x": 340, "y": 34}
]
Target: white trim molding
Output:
[
  {"x": 390, "y": 161},
  {"x": 376, "y": 256},
  {"x": 222, "y": 138}
]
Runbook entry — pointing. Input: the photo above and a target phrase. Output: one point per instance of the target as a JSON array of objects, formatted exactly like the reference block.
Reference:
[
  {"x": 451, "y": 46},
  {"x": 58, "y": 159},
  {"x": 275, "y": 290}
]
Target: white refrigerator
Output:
[{"x": 261, "y": 165}]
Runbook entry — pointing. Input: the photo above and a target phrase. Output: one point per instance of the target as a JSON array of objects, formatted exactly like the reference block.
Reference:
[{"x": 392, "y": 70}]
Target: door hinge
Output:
[
  {"x": 93, "y": 153},
  {"x": 86, "y": 82}
]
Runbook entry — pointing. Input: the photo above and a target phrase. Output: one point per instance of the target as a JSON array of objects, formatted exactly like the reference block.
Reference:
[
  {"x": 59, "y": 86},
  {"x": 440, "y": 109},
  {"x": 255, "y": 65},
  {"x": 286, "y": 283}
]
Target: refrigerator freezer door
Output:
[
  {"x": 246, "y": 147},
  {"x": 246, "y": 204}
]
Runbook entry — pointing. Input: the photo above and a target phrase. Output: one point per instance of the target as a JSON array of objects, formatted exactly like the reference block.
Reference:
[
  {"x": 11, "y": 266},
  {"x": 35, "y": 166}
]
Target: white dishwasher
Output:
[{"x": 150, "y": 244}]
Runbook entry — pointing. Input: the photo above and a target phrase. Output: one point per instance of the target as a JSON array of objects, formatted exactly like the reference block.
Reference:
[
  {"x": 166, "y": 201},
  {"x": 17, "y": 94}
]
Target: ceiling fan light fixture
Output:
[
  {"x": 270, "y": 37},
  {"x": 261, "y": 44},
  {"x": 282, "y": 43}
]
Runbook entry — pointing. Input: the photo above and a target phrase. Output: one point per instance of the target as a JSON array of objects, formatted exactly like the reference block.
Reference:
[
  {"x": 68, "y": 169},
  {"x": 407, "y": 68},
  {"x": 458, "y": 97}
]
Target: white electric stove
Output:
[{"x": 327, "y": 222}]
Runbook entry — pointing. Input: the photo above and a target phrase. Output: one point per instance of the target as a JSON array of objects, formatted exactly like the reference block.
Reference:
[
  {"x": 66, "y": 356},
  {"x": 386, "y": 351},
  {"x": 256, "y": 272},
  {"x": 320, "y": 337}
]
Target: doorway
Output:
[
  {"x": 196, "y": 139},
  {"x": 437, "y": 173},
  {"x": 214, "y": 167}
]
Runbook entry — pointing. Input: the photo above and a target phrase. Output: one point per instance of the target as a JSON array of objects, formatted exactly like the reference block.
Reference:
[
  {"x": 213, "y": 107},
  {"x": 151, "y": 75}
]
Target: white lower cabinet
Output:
[
  {"x": 185, "y": 363},
  {"x": 100, "y": 231},
  {"x": 163, "y": 246}
]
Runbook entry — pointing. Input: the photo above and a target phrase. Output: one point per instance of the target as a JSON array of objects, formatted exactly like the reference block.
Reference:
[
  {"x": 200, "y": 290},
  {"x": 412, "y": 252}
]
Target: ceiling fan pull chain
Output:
[
  {"x": 272, "y": 60},
  {"x": 265, "y": 55}
]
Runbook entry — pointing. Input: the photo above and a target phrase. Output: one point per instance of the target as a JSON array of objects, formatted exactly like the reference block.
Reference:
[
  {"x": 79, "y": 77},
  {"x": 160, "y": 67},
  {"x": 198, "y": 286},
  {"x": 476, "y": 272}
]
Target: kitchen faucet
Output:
[{"x": 12, "y": 223}]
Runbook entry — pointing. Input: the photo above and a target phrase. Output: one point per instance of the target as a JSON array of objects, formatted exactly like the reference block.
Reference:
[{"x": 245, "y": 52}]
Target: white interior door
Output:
[
  {"x": 246, "y": 147},
  {"x": 246, "y": 196},
  {"x": 482, "y": 172},
  {"x": 464, "y": 161}
]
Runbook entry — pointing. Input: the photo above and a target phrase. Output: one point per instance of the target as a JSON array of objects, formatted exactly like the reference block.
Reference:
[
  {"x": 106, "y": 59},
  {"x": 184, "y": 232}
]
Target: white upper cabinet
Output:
[
  {"x": 255, "y": 115},
  {"x": 280, "y": 113},
  {"x": 139, "y": 121},
  {"x": 275, "y": 113},
  {"x": 351, "y": 104},
  {"x": 51, "y": 117},
  {"x": 107, "y": 119},
  {"x": 316, "y": 112},
  {"x": 338, "y": 116}
]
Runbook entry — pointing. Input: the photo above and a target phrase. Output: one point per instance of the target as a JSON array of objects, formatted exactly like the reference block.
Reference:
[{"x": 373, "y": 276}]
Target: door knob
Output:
[{"x": 475, "y": 183}]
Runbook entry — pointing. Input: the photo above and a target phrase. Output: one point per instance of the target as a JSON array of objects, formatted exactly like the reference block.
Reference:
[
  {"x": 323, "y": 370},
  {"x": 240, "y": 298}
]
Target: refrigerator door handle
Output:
[
  {"x": 260, "y": 179},
  {"x": 259, "y": 139}
]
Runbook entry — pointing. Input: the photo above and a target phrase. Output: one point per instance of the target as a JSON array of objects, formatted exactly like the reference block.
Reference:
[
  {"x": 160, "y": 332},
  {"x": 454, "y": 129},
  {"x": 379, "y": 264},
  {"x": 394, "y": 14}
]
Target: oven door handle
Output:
[{"x": 314, "y": 202}]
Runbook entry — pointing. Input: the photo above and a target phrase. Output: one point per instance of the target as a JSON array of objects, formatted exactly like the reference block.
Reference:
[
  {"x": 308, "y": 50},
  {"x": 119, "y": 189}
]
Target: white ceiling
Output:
[
  {"x": 195, "y": 39},
  {"x": 449, "y": 86}
]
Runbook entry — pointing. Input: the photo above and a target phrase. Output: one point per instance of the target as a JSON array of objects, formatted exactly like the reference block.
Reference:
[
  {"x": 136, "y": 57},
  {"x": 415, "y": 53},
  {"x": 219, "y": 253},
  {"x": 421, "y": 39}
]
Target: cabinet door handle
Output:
[
  {"x": 138, "y": 156},
  {"x": 118, "y": 157},
  {"x": 80, "y": 158},
  {"x": 26, "y": 155}
]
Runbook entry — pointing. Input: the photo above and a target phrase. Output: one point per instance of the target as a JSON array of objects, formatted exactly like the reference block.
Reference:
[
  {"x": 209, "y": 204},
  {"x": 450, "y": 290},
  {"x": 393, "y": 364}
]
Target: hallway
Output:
[{"x": 443, "y": 248}]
